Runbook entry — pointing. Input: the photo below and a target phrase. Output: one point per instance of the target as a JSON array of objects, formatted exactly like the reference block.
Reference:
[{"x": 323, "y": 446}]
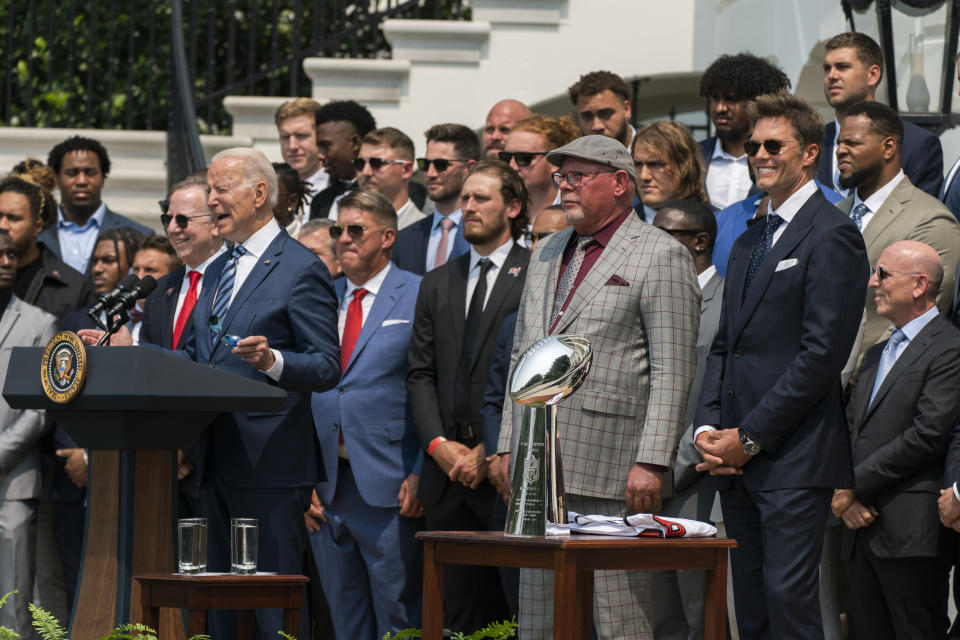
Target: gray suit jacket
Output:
[
  {"x": 684, "y": 473},
  {"x": 908, "y": 214},
  {"x": 639, "y": 306},
  {"x": 22, "y": 325}
]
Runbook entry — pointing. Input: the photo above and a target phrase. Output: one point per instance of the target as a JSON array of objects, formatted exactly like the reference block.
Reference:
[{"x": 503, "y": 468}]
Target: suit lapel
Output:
[
  {"x": 170, "y": 296},
  {"x": 710, "y": 290},
  {"x": 9, "y": 319},
  {"x": 423, "y": 239},
  {"x": 202, "y": 336},
  {"x": 552, "y": 255},
  {"x": 383, "y": 303},
  {"x": 887, "y": 214},
  {"x": 265, "y": 264},
  {"x": 502, "y": 286},
  {"x": 913, "y": 351},
  {"x": 457, "y": 290}
]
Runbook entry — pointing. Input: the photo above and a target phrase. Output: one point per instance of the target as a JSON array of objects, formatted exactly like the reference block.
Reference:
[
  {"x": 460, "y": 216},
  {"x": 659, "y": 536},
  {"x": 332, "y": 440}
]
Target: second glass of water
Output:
[
  {"x": 192, "y": 543},
  {"x": 243, "y": 545}
]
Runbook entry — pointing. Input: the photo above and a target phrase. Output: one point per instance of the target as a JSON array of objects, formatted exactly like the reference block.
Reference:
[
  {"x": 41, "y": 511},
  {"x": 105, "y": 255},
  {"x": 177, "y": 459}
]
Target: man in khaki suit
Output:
[
  {"x": 886, "y": 205},
  {"x": 632, "y": 292}
]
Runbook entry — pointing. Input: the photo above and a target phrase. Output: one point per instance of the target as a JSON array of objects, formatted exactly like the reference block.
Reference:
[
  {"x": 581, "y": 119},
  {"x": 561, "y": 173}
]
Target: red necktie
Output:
[
  {"x": 187, "y": 308},
  {"x": 351, "y": 331}
]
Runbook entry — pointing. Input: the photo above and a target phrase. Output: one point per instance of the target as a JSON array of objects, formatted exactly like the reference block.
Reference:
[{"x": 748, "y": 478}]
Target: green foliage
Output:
[
  {"x": 287, "y": 635},
  {"x": 107, "y": 65},
  {"x": 46, "y": 625},
  {"x": 495, "y": 630}
]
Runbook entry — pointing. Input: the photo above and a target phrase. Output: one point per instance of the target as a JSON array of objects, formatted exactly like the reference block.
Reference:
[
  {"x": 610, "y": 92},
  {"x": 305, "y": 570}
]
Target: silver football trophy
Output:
[{"x": 549, "y": 371}]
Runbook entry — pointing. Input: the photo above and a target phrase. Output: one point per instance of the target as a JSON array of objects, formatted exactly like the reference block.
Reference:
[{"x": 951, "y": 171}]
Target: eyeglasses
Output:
[
  {"x": 575, "y": 178},
  {"x": 355, "y": 231},
  {"x": 441, "y": 164},
  {"x": 883, "y": 273},
  {"x": 216, "y": 326},
  {"x": 523, "y": 158},
  {"x": 181, "y": 220},
  {"x": 375, "y": 163},
  {"x": 773, "y": 147},
  {"x": 681, "y": 232}
]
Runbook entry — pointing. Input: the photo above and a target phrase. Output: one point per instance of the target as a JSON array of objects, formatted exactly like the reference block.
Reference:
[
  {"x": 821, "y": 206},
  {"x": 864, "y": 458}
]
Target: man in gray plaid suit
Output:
[{"x": 632, "y": 291}]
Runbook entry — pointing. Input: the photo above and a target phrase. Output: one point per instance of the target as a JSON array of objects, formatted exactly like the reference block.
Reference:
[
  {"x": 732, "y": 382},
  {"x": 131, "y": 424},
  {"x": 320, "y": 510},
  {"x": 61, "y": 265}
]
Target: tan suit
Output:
[
  {"x": 908, "y": 214},
  {"x": 639, "y": 306}
]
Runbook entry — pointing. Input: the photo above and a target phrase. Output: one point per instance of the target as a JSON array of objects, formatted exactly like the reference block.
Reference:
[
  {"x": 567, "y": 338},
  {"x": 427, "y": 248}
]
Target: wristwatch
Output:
[{"x": 750, "y": 447}]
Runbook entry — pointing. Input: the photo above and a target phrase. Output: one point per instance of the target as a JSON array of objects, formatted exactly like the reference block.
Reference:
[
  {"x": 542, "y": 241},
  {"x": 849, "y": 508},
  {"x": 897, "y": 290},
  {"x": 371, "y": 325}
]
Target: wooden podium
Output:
[{"x": 137, "y": 407}]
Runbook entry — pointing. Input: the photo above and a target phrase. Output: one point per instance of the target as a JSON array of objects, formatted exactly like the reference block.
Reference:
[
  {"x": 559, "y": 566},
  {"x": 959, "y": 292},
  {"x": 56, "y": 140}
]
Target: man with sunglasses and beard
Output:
[
  {"x": 459, "y": 311},
  {"x": 385, "y": 165},
  {"x": 771, "y": 411},
  {"x": 451, "y": 150}
]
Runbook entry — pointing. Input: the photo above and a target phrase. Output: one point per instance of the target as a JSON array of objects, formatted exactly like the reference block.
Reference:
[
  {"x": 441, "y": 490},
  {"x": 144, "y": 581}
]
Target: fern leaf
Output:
[{"x": 46, "y": 625}]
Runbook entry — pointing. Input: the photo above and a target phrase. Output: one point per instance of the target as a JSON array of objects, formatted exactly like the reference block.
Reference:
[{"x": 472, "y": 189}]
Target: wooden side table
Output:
[
  {"x": 573, "y": 560},
  {"x": 198, "y": 593}
]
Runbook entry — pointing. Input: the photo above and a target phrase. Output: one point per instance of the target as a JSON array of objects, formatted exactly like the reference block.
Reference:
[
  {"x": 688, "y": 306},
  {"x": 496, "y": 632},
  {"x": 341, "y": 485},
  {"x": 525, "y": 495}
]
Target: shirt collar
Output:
[
  {"x": 498, "y": 257},
  {"x": 405, "y": 208},
  {"x": 836, "y": 134},
  {"x": 915, "y": 326},
  {"x": 720, "y": 154},
  {"x": 261, "y": 239},
  {"x": 456, "y": 216},
  {"x": 602, "y": 237},
  {"x": 704, "y": 277},
  {"x": 788, "y": 209},
  {"x": 876, "y": 199},
  {"x": 318, "y": 177},
  {"x": 202, "y": 267},
  {"x": 372, "y": 285},
  {"x": 96, "y": 220},
  {"x": 649, "y": 214}
]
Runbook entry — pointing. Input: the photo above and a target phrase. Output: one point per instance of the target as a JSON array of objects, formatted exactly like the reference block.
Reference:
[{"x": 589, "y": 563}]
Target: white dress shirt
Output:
[
  {"x": 728, "y": 177},
  {"x": 185, "y": 285},
  {"x": 876, "y": 199},
  {"x": 436, "y": 230},
  {"x": 498, "y": 257},
  {"x": 318, "y": 182},
  {"x": 704, "y": 277}
]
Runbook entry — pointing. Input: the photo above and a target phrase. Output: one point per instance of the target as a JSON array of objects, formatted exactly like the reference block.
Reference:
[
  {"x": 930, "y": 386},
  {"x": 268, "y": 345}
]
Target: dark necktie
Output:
[
  {"x": 762, "y": 248},
  {"x": 858, "y": 214},
  {"x": 461, "y": 405}
]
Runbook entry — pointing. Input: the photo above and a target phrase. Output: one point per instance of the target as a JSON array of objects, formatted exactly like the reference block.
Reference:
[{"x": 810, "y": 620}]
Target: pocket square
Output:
[
  {"x": 617, "y": 281},
  {"x": 387, "y": 323},
  {"x": 786, "y": 264}
]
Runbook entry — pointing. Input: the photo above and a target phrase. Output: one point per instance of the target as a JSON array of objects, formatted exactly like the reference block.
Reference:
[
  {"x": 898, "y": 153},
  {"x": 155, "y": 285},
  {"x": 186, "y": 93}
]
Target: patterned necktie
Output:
[
  {"x": 858, "y": 213},
  {"x": 887, "y": 360},
  {"x": 569, "y": 277},
  {"x": 221, "y": 301},
  {"x": 762, "y": 248},
  {"x": 441, "y": 258},
  {"x": 188, "y": 302},
  {"x": 461, "y": 408}
]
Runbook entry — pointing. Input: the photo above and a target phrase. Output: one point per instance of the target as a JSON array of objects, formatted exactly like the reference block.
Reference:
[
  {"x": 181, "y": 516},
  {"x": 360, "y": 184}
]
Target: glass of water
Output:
[
  {"x": 243, "y": 545},
  {"x": 192, "y": 542}
]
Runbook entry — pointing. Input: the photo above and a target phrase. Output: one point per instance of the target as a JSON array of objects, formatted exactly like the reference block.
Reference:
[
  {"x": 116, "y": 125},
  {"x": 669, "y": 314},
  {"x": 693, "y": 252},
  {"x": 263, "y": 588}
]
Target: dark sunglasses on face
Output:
[
  {"x": 181, "y": 220},
  {"x": 523, "y": 158},
  {"x": 883, "y": 273},
  {"x": 773, "y": 147},
  {"x": 375, "y": 163},
  {"x": 441, "y": 164},
  {"x": 355, "y": 231}
]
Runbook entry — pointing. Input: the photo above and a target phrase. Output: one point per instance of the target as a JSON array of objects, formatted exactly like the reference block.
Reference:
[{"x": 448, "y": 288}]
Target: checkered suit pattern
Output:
[{"x": 643, "y": 328}]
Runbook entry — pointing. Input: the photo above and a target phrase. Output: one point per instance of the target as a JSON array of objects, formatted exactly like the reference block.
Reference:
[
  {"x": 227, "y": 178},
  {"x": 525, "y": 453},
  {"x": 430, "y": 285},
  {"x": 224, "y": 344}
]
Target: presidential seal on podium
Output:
[{"x": 63, "y": 367}]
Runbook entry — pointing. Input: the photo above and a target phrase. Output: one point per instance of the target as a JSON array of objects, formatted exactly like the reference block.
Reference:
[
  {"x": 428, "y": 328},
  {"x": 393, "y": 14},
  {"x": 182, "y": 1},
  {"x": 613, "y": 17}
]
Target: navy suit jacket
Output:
[
  {"x": 492, "y": 409},
  {"x": 921, "y": 158},
  {"x": 111, "y": 220},
  {"x": 288, "y": 297},
  {"x": 370, "y": 403},
  {"x": 774, "y": 367},
  {"x": 410, "y": 250},
  {"x": 156, "y": 327}
]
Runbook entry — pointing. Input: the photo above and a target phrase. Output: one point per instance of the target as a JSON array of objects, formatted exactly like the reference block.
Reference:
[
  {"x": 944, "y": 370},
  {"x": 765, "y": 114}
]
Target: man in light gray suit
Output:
[
  {"x": 678, "y": 596},
  {"x": 632, "y": 292},
  {"x": 886, "y": 205},
  {"x": 21, "y": 325}
]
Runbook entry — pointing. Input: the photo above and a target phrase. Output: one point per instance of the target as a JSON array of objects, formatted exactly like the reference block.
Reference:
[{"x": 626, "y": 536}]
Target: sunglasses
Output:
[
  {"x": 441, "y": 164},
  {"x": 523, "y": 158},
  {"x": 181, "y": 220},
  {"x": 773, "y": 147},
  {"x": 375, "y": 163},
  {"x": 681, "y": 232},
  {"x": 355, "y": 231},
  {"x": 215, "y": 326},
  {"x": 883, "y": 273}
]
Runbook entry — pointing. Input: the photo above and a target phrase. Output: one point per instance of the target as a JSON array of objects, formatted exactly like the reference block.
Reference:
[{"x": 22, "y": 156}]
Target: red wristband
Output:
[{"x": 434, "y": 444}]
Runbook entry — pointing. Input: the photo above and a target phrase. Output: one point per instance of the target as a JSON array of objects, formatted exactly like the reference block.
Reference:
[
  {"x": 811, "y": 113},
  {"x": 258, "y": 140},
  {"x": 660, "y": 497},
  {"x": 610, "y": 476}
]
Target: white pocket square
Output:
[
  {"x": 786, "y": 264},
  {"x": 387, "y": 323}
]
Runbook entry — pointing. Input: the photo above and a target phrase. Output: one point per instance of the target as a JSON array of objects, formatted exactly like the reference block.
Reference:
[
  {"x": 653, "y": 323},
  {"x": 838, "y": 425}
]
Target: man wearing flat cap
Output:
[{"x": 632, "y": 291}]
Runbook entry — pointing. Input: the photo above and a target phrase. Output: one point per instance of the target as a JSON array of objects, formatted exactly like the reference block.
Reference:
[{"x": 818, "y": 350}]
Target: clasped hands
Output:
[
  {"x": 854, "y": 513},
  {"x": 461, "y": 463},
  {"x": 722, "y": 452},
  {"x": 949, "y": 508}
]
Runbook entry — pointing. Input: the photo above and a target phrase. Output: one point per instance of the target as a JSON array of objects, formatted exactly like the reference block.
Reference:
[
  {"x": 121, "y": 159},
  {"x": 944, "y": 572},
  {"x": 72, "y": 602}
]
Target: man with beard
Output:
[
  {"x": 451, "y": 150},
  {"x": 602, "y": 100},
  {"x": 460, "y": 308},
  {"x": 886, "y": 205},
  {"x": 852, "y": 69},
  {"x": 729, "y": 83},
  {"x": 500, "y": 122},
  {"x": 341, "y": 125}
]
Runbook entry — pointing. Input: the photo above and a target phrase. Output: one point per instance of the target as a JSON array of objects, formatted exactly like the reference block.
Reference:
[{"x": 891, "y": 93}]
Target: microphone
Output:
[
  {"x": 127, "y": 299},
  {"x": 108, "y": 299}
]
